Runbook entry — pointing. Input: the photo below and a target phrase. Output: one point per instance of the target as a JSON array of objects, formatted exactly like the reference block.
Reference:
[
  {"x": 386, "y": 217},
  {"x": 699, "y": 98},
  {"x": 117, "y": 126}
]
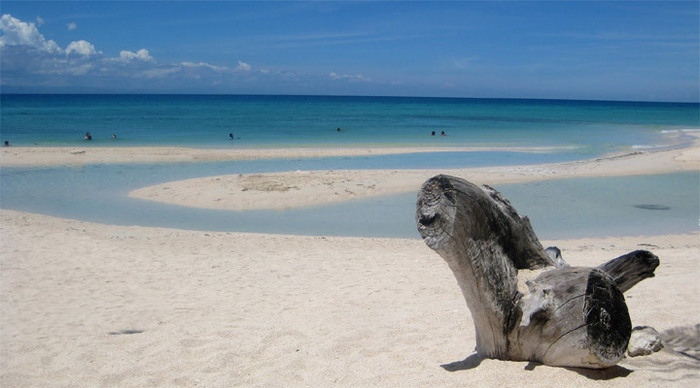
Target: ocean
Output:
[
  {"x": 560, "y": 130},
  {"x": 300, "y": 121}
]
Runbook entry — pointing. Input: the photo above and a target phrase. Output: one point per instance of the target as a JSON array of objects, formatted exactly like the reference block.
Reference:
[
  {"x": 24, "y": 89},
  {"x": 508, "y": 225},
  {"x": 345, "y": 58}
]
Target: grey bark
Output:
[{"x": 525, "y": 301}]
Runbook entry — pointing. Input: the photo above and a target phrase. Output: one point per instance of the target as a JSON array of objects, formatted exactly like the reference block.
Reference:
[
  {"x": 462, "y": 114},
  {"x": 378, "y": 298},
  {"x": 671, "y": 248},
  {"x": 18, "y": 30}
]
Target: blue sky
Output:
[{"x": 624, "y": 50}]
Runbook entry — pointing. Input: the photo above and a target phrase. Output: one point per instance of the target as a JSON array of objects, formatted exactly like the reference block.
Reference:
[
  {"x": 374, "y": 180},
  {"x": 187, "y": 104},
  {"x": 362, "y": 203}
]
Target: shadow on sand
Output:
[
  {"x": 474, "y": 361},
  {"x": 470, "y": 362}
]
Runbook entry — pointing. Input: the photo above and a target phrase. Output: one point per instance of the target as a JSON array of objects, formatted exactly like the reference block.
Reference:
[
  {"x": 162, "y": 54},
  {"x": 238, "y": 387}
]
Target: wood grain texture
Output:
[{"x": 525, "y": 301}]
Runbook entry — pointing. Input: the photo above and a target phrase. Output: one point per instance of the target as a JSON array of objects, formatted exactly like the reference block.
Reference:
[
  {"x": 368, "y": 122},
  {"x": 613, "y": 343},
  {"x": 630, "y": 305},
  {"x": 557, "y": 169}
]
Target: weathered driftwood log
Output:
[{"x": 526, "y": 302}]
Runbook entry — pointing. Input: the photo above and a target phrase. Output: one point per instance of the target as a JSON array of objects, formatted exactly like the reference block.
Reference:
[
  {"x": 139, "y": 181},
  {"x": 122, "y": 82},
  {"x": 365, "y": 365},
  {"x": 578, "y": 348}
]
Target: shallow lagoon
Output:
[
  {"x": 564, "y": 208},
  {"x": 614, "y": 206}
]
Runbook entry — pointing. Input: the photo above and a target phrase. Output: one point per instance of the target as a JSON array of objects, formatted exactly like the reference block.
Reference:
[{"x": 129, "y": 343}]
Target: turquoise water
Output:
[
  {"x": 206, "y": 121},
  {"x": 615, "y": 206},
  {"x": 581, "y": 207},
  {"x": 563, "y": 208}
]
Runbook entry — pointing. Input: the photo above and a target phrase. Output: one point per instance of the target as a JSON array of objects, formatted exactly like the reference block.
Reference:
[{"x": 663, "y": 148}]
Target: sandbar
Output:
[
  {"x": 76, "y": 156},
  {"x": 303, "y": 188}
]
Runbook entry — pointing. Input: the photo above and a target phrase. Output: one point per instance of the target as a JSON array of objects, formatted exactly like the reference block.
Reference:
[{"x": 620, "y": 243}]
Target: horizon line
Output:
[{"x": 338, "y": 95}]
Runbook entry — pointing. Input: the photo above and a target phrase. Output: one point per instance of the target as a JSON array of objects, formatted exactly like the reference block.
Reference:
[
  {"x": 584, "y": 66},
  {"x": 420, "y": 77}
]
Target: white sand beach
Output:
[
  {"x": 302, "y": 188},
  {"x": 88, "y": 304},
  {"x": 47, "y": 156}
]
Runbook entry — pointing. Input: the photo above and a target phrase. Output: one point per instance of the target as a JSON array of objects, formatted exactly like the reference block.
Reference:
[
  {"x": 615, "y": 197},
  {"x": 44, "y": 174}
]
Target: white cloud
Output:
[
  {"x": 159, "y": 73},
  {"x": 242, "y": 66},
  {"x": 39, "y": 20},
  {"x": 19, "y": 33},
  {"x": 141, "y": 55},
  {"x": 28, "y": 59},
  {"x": 204, "y": 65},
  {"x": 71, "y": 26},
  {"x": 349, "y": 77},
  {"x": 76, "y": 69},
  {"x": 81, "y": 47}
]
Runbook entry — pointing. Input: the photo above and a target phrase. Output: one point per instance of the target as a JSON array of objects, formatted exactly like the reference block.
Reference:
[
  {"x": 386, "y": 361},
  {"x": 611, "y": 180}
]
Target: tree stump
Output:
[{"x": 527, "y": 304}]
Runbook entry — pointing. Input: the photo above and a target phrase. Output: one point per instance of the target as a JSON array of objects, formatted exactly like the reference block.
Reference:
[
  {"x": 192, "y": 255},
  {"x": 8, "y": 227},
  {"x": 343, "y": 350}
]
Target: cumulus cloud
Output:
[
  {"x": 26, "y": 54},
  {"x": 71, "y": 26},
  {"x": 81, "y": 47},
  {"x": 141, "y": 55},
  {"x": 28, "y": 59},
  {"x": 19, "y": 33}
]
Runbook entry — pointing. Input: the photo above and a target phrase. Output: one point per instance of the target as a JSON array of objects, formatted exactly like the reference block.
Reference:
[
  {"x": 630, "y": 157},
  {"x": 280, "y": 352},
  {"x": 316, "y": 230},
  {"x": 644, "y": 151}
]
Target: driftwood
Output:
[{"x": 526, "y": 302}]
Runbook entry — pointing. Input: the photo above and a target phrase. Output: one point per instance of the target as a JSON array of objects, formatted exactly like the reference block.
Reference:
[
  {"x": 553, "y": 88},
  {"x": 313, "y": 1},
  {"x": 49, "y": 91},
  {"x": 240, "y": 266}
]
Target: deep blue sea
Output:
[{"x": 566, "y": 130}]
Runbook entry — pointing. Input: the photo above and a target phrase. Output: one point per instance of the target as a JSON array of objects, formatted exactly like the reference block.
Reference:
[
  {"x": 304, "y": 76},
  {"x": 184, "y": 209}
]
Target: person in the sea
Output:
[
  {"x": 443, "y": 133},
  {"x": 432, "y": 133},
  {"x": 230, "y": 136},
  {"x": 88, "y": 136},
  {"x": 338, "y": 129},
  {"x": 7, "y": 143},
  {"x": 114, "y": 136}
]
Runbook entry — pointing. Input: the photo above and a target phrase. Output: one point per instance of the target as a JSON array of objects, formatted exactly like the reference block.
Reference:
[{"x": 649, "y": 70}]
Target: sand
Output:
[
  {"x": 75, "y": 156},
  {"x": 87, "y": 304},
  {"x": 302, "y": 188}
]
